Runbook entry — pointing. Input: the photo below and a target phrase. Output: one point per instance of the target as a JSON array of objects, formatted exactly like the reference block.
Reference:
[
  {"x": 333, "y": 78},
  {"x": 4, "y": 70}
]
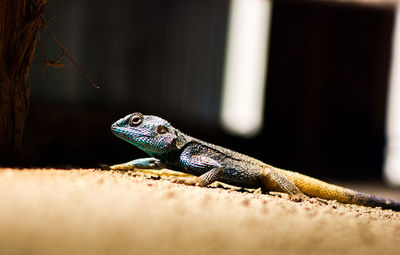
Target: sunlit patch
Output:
[
  {"x": 392, "y": 161},
  {"x": 245, "y": 67}
]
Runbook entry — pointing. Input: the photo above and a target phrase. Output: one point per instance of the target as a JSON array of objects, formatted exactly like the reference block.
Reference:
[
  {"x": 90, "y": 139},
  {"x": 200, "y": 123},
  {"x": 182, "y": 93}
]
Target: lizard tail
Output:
[{"x": 317, "y": 188}]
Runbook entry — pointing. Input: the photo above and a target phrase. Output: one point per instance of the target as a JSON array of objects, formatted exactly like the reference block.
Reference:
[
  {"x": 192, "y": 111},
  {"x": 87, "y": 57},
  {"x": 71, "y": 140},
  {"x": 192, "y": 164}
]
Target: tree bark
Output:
[{"x": 20, "y": 21}]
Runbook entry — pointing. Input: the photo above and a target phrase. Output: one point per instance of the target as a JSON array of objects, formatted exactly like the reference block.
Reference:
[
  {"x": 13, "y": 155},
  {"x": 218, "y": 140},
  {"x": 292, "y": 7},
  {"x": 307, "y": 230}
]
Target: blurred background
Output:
[{"x": 318, "y": 107}]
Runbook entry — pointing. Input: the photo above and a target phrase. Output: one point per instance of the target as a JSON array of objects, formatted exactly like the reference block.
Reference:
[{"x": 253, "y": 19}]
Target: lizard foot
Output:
[{"x": 192, "y": 181}]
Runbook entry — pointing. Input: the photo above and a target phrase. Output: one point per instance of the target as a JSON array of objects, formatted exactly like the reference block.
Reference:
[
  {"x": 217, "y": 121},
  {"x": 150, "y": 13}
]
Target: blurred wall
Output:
[
  {"x": 326, "y": 92},
  {"x": 157, "y": 57},
  {"x": 325, "y": 97}
]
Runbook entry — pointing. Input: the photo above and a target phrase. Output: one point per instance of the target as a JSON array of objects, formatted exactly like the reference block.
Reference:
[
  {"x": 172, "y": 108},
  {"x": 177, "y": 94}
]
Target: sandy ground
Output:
[{"x": 104, "y": 212}]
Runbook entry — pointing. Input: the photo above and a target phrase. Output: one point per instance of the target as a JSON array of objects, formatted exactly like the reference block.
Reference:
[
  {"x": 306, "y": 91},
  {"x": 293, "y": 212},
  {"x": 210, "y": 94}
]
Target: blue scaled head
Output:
[{"x": 151, "y": 134}]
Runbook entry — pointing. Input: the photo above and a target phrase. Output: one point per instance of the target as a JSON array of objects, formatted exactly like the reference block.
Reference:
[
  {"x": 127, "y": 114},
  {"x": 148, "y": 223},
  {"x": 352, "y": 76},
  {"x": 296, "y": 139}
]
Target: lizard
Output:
[{"x": 170, "y": 148}]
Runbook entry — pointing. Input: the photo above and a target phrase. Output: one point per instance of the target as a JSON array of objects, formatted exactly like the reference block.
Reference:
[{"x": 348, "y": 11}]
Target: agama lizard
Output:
[{"x": 170, "y": 148}]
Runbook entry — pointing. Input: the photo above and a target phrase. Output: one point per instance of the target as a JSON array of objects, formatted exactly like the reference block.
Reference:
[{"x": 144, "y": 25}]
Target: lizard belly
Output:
[
  {"x": 233, "y": 176},
  {"x": 241, "y": 178}
]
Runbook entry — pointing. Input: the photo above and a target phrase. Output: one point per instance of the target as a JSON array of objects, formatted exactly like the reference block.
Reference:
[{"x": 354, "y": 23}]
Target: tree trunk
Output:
[{"x": 20, "y": 21}]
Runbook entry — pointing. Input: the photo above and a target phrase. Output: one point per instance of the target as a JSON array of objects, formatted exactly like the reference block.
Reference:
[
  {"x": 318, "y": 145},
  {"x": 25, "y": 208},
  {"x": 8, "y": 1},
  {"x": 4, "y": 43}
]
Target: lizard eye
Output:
[
  {"x": 135, "y": 119},
  {"x": 162, "y": 130}
]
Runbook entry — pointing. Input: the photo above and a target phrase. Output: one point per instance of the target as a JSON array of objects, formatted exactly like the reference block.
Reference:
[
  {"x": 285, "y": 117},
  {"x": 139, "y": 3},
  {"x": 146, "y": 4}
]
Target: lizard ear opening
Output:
[
  {"x": 162, "y": 130},
  {"x": 180, "y": 140}
]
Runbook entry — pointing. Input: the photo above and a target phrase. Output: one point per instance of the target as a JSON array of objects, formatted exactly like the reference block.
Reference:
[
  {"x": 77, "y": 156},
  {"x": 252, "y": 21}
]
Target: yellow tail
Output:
[{"x": 316, "y": 188}]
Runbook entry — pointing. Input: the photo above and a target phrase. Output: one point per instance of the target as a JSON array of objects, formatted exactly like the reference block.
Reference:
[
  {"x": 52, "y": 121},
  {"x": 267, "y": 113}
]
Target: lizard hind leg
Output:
[
  {"x": 272, "y": 180},
  {"x": 203, "y": 180}
]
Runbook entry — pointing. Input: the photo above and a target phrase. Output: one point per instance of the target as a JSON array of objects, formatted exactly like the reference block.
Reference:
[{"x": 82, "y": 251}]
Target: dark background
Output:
[{"x": 325, "y": 97}]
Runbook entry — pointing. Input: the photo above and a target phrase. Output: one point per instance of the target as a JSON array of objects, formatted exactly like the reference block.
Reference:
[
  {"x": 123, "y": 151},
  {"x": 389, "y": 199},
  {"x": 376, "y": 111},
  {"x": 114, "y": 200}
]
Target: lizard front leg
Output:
[
  {"x": 147, "y": 165},
  {"x": 141, "y": 163},
  {"x": 213, "y": 170},
  {"x": 272, "y": 180}
]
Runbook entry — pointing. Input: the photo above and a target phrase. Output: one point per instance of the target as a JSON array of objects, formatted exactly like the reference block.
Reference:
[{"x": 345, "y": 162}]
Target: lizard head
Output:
[{"x": 151, "y": 134}]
